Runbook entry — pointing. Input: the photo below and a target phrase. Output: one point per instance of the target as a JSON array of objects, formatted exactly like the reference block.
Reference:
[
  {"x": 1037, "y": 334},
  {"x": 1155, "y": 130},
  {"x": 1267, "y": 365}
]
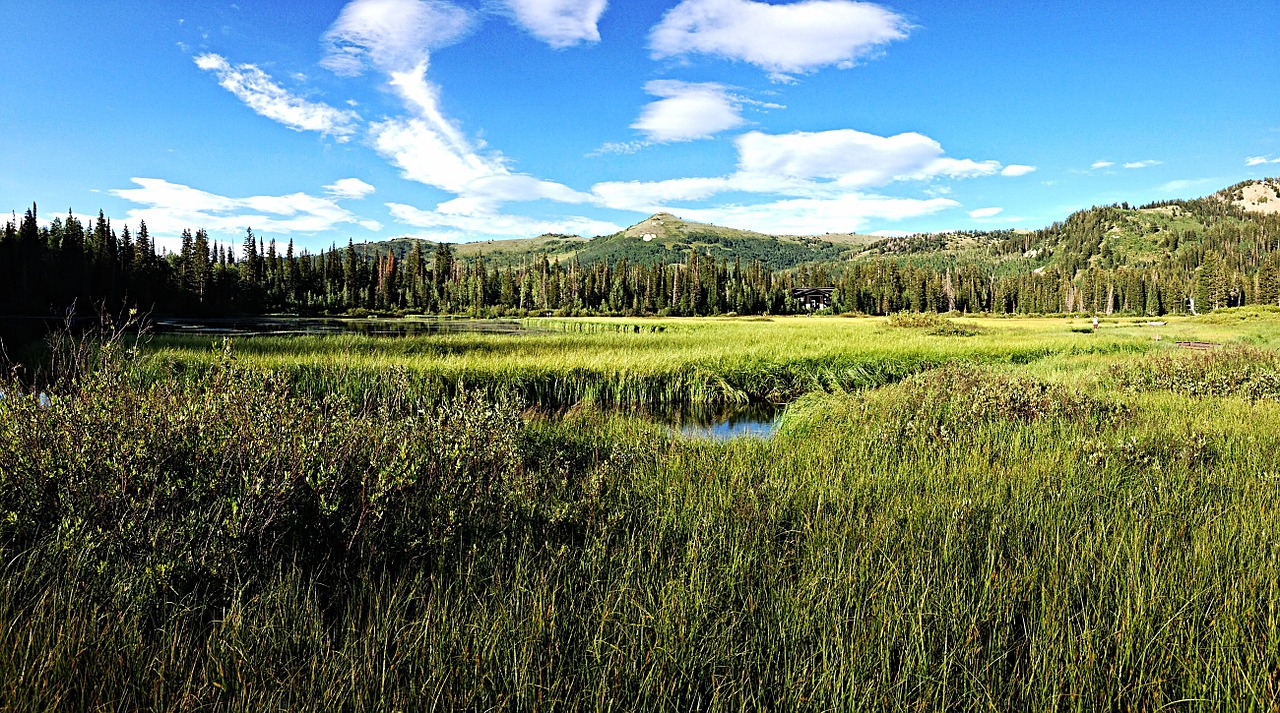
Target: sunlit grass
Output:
[{"x": 1010, "y": 521}]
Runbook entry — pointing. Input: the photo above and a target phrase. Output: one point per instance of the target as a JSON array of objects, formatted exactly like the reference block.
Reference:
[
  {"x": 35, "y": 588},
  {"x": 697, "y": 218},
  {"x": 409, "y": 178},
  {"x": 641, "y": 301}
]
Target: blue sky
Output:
[{"x": 463, "y": 120}]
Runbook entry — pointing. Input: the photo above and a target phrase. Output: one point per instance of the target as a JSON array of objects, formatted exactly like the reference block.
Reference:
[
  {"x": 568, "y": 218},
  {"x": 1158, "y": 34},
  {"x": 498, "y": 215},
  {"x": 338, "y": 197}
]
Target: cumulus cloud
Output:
[
  {"x": 454, "y": 227},
  {"x": 259, "y": 92},
  {"x": 686, "y": 111},
  {"x": 1102, "y": 164},
  {"x": 349, "y": 188},
  {"x": 985, "y": 212},
  {"x": 559, "y": 23},
  {"x": 1015, "y": 169},
  {"x": 818, "y": 180},
  {"x": 169, "y": 208},
  {"x": 781, "y": 39},
  {"x": 1143, "y": 164},
  {"x": 391, "y": 35},
  {"x": 852, "y": 159}
]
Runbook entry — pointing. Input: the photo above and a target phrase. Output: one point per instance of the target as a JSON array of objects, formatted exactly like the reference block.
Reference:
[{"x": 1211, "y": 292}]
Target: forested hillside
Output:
[{"x": 1167, "y": 257}]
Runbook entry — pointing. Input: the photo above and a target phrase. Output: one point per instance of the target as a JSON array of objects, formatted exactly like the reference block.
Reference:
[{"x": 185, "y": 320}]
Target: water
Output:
[
  {"x": 755, "y": 420},
  {"x": 293, "y": 326}
]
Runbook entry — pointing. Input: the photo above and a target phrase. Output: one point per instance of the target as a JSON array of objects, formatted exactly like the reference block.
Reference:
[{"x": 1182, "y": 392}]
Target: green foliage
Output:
[
  {"x": 182, "y": 486},
  {"x": 1241, "y": 371},
  {"x": 1000, "y": 532}
]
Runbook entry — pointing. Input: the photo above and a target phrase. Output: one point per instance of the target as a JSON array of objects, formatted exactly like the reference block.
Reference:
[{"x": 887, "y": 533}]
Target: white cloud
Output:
[
  {"x": 985, "y": 212},
  {"x": 652, "y": 196},
  {"x": 559, "y": 23},
  {"x": 1102, "y": 164},
  {"x": 822, "y": 166},
  {"x": 687, "y": 111},
  {"x": 257, "y": 90},
  {"x": 1015, "y": 169},
  {"x": 1183, "y": 184},
  {"x": 392, "y": 35},
  {"x": 424, "y": 154},
  {"x": 1260, "y": 160},
  {"x": 1143, "y": 164},
  {"x": 170, "y": 208},
  {"x": 429, "y": 149},
  {"x": 852, "y": 159},
  {"x": 619, "y": 147},
  {"x": 812, "y": 216},
  {"x": 452, "y": 227},
  {"x": 349, "y": 188},
  {"x": 782, "y": 39}
]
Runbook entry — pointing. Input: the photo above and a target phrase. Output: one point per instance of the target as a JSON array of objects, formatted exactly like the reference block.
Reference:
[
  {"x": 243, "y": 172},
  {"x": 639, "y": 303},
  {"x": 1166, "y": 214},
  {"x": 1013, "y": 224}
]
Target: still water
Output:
[{"x": 754, "y": 420}]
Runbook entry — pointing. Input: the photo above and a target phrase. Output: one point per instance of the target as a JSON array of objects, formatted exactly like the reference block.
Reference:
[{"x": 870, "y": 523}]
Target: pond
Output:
[
  {"x": 718, "y": 423},
  {"x": 754, "y": 420}
]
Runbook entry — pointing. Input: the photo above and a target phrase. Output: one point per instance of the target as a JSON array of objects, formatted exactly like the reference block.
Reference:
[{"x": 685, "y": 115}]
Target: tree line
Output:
[{"x": 1227, "y": 259}]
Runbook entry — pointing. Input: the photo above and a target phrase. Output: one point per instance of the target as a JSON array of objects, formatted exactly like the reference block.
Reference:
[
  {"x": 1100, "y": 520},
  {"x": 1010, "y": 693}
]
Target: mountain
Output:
[
  {"x": 660, "y": 238},
  {"x": 1240, "y": 223}
]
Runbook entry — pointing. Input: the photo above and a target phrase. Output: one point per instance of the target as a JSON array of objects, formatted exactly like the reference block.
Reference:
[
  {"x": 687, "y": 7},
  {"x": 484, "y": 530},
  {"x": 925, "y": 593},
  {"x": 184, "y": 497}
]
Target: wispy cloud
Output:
[
  {"x": 430, "y": 149},
  {"x": 985, "y": 212},
  {"x": 1260, "y": 160},
  {"x": 809, "y": 216},
  {"x": 786, "y": 39},
  {"x": 349, "y": 188},
  {"x": 1015, "y": 169},
  {"x": 396, "y": 38},
  {"x": 1143, "y": 164},
  {"x": 559, "y": 23},
  {"x": 169, "y": 208},
  {"x": 1183, "y": 184},
  {"x": 392, "y": 35},
  {"x": 446, "y": 226},
  {"x": 1102, "y": 164},
  {"x": 262, "y": 94}
]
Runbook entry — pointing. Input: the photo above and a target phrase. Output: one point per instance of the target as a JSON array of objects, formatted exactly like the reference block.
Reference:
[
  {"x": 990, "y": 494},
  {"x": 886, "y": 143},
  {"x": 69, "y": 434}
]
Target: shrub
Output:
[{"x": 1243, "y": 371}]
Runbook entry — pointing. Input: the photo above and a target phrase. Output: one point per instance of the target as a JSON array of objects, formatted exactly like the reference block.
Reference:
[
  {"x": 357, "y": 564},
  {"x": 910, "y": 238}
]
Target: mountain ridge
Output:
[{"x": 1102, "y": 236}]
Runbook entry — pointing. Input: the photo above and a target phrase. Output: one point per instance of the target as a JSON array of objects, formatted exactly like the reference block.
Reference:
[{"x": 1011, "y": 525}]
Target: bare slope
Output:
[{"x": 1261, "y": 196}]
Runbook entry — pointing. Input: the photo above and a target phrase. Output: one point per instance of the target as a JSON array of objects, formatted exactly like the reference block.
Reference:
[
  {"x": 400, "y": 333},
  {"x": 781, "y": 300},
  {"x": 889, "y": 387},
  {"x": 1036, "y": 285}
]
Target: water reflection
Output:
[
  {"x": 753, "y": 420},
  {"x": 720, "y": 423}
]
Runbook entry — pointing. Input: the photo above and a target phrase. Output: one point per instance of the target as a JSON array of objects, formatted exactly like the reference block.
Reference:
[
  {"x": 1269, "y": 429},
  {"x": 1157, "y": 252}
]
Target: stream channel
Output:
[{"x": 753, "y": 420}]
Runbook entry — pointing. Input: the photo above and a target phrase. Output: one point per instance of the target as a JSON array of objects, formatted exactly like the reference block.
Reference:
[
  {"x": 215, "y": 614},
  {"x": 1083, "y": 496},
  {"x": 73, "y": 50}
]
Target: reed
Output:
[{"x": 1001, "y": 524}]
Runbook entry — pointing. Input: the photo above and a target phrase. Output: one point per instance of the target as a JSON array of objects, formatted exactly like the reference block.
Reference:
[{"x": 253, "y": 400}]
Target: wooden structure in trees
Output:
[{"x": 812, "y": 298}]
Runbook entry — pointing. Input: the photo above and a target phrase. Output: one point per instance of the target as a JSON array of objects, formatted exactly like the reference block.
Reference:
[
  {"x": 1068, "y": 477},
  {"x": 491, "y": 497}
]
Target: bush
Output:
[
  {"x": 1243, "y": 371},
  {"x": 187, "y": 485}
]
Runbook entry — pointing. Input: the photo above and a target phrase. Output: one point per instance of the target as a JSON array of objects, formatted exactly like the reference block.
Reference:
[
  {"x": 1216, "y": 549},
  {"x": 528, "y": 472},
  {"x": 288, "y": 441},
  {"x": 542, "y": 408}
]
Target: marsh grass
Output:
[
  {"x": 704, "y": 361},
  {"x": 992, "y": 534}
]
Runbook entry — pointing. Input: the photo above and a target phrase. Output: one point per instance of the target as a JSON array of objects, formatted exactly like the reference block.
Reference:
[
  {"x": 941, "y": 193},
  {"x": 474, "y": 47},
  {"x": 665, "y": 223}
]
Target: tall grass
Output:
[
  {"x": 970, "y": 537},
  {"x": 687, "y": 362}
]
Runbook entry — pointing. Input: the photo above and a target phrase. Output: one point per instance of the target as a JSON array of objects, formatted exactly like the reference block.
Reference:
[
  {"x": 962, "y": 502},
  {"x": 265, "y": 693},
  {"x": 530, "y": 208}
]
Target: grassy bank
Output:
[
  {"x": 699, "y": 361},
  {"x": 1081, "y": 531}
]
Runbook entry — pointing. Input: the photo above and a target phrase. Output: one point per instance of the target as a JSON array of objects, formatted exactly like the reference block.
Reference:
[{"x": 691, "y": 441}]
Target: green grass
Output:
[
  {"x": 1021, "y": 519},
  {"x": 703, "y": 361}
]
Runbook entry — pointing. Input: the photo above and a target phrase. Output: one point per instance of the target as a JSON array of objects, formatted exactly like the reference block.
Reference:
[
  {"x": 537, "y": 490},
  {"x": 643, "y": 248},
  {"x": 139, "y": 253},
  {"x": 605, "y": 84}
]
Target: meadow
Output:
[{"x": 954, "y": 514}]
